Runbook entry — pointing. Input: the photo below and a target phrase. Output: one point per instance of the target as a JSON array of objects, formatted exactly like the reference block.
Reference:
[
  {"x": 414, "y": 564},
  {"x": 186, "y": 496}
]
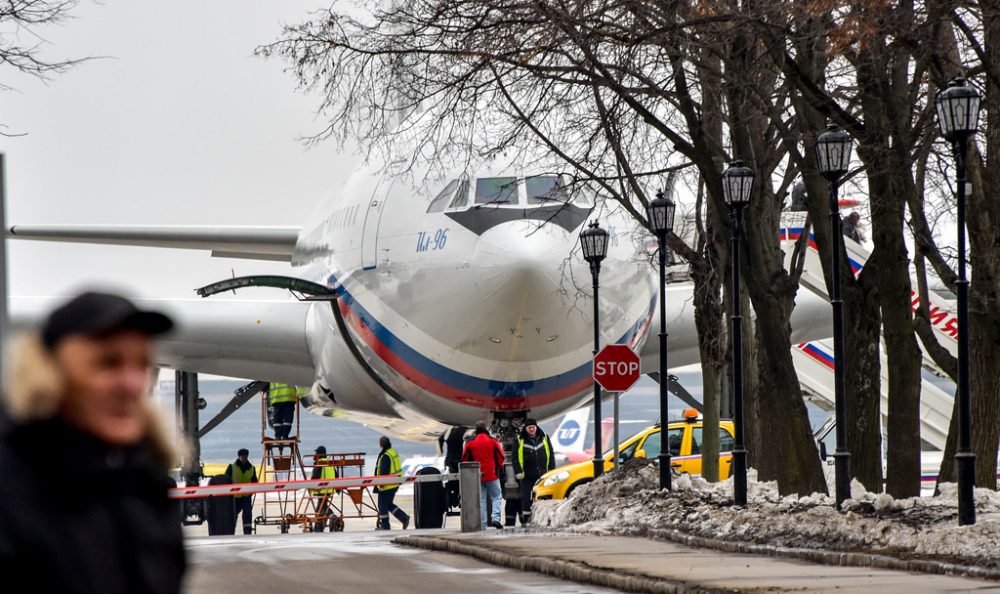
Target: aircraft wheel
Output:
[{"x": 336, "y": 524}]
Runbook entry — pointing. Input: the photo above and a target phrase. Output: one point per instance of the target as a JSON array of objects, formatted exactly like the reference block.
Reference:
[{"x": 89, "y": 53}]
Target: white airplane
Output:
[{"x": 466, "y": 301}]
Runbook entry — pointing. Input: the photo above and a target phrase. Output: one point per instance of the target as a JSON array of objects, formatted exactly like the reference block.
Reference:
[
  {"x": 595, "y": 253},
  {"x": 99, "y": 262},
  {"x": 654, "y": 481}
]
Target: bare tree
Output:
[
  {"x": 888, "y": 60},
  {"x": 22, "y": 45}
]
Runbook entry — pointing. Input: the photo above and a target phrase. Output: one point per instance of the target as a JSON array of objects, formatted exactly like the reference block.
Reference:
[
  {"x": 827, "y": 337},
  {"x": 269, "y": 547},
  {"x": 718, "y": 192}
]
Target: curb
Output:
[
  {"x": 847, "y": 559},
  {"x": 583, "y": 573},
  {"x": 574, "y": 571}
]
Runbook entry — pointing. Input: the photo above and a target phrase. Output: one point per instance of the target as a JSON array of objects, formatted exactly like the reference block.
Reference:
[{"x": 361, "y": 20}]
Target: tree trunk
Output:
[
  {"x": 752, "y": 408},
  {"x": 902, "y": 353},
  {"x": 709, "y": 321},
  {"x": 710, "y": 437},
  {"x": 984, "y": 220},
  {"x": 791, "y": 456},
  {"x": 862, "y": 323},
  {"x": 863, "y": 386}
]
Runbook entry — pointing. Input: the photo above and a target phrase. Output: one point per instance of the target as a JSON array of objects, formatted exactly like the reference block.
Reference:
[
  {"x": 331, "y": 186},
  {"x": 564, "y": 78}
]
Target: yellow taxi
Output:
[{"x": 684, "y": 437}]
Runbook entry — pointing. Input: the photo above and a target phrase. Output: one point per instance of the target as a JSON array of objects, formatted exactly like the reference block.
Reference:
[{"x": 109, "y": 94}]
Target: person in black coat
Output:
[
  {"x": 532, "y": 458},
  {"x": 84, "y": 501}
]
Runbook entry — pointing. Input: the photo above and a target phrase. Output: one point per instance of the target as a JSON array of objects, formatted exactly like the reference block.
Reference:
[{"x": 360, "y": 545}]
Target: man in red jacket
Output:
[{"x": 487, "y": 451}]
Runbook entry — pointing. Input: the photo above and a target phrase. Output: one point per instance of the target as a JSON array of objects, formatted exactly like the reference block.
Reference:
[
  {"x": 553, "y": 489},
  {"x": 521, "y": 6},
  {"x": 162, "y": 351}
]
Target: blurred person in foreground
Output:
[{"x": 84, "y": 492}]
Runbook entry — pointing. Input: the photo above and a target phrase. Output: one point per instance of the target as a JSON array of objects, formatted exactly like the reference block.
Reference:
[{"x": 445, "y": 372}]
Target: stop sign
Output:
[{"x": 616, "y": 368}]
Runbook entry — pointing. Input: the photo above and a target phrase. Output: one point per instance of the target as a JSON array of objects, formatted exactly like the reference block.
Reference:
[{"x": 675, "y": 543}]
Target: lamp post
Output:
[
  {"x": 660, "y": 214},
  {"x": 594, "y": 242},
  {"x": 737, "y": 185},
  {"x": 958, "y": 116},
  {"x": 833, "y": 157}
]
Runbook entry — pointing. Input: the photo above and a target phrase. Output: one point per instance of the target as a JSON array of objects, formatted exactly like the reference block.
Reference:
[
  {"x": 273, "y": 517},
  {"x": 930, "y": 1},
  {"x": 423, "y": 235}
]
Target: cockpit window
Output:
[
  {"x": 542, "y": 189},
  {"x": 461, "y": 195},
  {"x": 441, "y": 201},
  {"x": 584, "y": 196},
  {"x": 496, "y": 190}
]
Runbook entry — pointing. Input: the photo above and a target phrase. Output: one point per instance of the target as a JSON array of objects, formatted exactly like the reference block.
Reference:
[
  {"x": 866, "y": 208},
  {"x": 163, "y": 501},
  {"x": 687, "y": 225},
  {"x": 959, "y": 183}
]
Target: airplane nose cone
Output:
[
  {"x": 522, "y": 253},
  {"x": 520, "y": 272}
]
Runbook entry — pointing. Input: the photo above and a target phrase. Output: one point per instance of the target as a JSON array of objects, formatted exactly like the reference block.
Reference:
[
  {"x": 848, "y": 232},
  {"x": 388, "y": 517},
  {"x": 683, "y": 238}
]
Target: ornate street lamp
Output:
[
  {"x": 737, "y": 185},
  {"x": 958, "y": 116},
  {"x": 594, "y": 242},
  {"x": 833, "y": 156},
  {"x": 660, "y": 213}
]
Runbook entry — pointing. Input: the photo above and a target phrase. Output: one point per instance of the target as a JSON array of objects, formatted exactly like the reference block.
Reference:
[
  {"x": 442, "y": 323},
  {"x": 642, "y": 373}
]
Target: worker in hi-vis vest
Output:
[
  {"x": 534, "y": 458},
  {"x": 281, "y": 400},
  {"x": 387, "y": 464},
  {"x": 242, "y": 471},
  {"x": 322, "y": 469}
]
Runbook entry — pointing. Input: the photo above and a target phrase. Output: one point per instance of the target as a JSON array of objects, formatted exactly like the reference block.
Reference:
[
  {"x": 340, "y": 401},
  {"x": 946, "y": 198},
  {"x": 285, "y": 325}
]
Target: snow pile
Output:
[{"x": 630, "y": 503}]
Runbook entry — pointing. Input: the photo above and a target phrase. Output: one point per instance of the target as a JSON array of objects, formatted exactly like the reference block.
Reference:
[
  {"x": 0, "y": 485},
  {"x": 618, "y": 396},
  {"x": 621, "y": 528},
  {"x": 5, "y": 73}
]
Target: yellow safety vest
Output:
[
  {"x": 395, "y": 468},
  {"x": 278, "y": 393},
  {"x": 520, "y": 454},
  {"x": 241, "y": 476},
  {"x": 326, "y": 472}
]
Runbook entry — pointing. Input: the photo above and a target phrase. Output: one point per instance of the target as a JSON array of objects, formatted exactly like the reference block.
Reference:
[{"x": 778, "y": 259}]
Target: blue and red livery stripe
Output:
[
  {"x": 817, "y": 353},
  {"x": 454, "y": 385},
  {"x": 793, "y": 233}
]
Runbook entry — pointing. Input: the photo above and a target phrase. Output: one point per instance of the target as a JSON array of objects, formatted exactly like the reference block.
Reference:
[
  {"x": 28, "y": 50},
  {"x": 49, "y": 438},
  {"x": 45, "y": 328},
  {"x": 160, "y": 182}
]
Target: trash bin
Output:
[
  {"x": 429, "y": 501},
  {"x": 221, "y": 510}
]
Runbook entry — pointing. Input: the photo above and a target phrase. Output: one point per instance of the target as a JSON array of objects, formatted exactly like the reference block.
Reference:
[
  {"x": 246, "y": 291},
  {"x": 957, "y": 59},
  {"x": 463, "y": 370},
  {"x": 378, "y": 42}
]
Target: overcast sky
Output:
[{"x": 180, "y": 124}]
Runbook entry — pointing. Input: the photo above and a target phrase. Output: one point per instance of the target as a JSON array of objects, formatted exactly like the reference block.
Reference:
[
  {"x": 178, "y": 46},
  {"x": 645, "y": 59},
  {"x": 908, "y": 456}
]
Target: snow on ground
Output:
[{"x": 921, "y": 527}]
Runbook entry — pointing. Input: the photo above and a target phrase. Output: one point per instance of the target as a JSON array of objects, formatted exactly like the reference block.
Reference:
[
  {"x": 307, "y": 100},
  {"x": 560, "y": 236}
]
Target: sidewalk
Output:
[{"x": 633, "y": 564}]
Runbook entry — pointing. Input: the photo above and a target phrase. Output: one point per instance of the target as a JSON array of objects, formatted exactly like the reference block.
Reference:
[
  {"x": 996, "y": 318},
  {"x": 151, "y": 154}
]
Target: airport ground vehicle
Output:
[{"x": 684, "y": 437}]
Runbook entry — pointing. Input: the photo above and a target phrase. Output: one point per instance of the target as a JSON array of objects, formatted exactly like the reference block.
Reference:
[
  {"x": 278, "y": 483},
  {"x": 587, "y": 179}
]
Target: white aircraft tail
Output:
[{"x": 569, "y": 436}]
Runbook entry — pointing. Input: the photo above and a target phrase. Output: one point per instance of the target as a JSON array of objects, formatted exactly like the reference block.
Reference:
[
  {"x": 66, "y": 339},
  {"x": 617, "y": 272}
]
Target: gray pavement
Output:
[
  {"x": 361, "y": 560},
  {"x": 673, "y": 567},
  {"x": 349, "y": 562}
]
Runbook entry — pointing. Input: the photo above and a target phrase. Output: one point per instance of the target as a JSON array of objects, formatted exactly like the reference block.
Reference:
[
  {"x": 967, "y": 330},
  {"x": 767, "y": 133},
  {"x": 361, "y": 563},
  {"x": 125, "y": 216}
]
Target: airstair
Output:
[
  {"x": 814, "y": 360},
  {"x": 814, "y": 365},
  {"x": 282, "y": 461},
  {"x": 943, "y": 318}
]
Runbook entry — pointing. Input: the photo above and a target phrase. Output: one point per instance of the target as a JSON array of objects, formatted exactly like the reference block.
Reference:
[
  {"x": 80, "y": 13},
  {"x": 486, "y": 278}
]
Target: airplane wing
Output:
[
  {"x": 258, "y": 243},
  {"x": 264, "y": 340}
]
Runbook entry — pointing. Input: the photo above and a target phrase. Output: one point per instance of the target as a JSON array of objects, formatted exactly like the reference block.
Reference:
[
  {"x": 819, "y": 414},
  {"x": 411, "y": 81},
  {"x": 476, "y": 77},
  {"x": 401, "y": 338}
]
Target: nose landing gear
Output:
[{"x": 506, "y": 427}]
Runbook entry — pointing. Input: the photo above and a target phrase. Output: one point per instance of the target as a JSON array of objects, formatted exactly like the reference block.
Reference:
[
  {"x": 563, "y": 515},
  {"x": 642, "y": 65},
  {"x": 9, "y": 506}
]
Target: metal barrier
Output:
[
  {"x": 285, "y": 486},
  {"x": 468, "y": 479}
]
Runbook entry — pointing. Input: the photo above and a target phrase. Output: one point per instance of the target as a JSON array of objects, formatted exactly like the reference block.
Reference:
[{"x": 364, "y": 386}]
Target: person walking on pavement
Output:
[
  {"x": 322, "y": 469},
  {"x": 84, "y": 503},
  {"x": 387, "y": 464},
  {"x": 534, "y": 458},
  {"x": 489, "y": 453},
  {"x": 242, "y": 471}
]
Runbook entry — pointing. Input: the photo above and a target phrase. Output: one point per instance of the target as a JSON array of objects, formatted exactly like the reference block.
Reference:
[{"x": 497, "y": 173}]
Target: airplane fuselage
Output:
[{"x": 466, "y": 304}]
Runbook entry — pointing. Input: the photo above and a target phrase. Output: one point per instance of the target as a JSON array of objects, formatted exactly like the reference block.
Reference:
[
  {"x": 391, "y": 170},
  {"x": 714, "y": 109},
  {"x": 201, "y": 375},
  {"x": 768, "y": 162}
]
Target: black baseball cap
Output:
[{"x": 100, "y": 314}]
